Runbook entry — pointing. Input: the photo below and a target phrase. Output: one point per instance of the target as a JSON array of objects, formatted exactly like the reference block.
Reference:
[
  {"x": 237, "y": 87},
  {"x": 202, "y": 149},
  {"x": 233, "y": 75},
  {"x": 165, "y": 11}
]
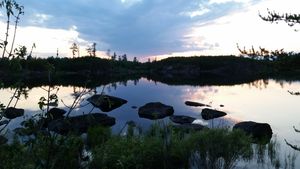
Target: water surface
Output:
[{"x": 266, "y": 101}]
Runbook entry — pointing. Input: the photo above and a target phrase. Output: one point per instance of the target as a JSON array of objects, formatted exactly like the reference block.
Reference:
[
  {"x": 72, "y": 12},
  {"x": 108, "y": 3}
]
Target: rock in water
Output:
[
  {"x": 12, "y": 113},
  {"x": 106, "y": 103},
  {"x": 133, "y": 107},
  {"x": 155, "y": 110},
  {"x": 80, "y": 124},
  {"x": 196, "y": 104},
  {"x": 3, "y": 140},
  {"x": 182, "y": 119},
  {"x": 260, "y": 132},
  {"x": 208, "y": 114},
  {"x": 56, "y": 113}
]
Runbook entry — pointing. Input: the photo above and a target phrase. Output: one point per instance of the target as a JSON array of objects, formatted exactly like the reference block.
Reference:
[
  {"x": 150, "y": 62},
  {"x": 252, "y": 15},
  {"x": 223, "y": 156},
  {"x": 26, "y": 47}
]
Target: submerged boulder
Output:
[
  {"x": 196, "y": 104},
  {"x": 180, "y": 119},
  {"x": 56, "y": 113},
  {"x": 260, "y": 132},
  {"x": 3, "y": 140},
  {"x": 155, "y": 110},
  {"x": 12, "y": 113},
  {"x": 134, "y": 107},
  {"x": 80, "y": 124},
  {"x": 208, "y": 114},
  {"x": 106, "y": 103}
]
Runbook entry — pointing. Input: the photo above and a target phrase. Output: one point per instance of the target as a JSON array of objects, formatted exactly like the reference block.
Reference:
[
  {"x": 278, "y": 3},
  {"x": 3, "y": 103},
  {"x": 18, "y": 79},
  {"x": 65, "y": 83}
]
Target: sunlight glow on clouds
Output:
[
  {"x": 48, "y": 40},
  {"x": 154, "y": 28}
]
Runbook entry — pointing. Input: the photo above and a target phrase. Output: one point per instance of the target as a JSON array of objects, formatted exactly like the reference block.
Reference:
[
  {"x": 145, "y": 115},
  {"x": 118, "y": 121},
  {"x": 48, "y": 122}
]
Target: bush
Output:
[{"x": 220, "y": 148}]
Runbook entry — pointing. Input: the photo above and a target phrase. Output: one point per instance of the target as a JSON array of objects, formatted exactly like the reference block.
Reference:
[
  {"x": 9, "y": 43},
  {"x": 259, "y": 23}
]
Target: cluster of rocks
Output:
[
  {"x": 56, "y": 120},
  {"x": 260, "y": 132}
]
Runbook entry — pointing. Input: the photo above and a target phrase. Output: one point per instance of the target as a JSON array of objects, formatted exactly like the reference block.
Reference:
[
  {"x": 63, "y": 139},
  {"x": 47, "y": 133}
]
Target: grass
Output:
[{"x": 162, "y": 146}]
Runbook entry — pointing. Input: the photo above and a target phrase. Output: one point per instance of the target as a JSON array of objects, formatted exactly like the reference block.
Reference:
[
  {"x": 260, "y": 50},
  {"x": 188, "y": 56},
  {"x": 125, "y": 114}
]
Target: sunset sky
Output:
[{"x": 153, "y": 28}]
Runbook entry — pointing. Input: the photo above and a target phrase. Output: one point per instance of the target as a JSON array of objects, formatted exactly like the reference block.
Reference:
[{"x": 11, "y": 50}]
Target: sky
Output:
[{"x": 152, "y": 28}]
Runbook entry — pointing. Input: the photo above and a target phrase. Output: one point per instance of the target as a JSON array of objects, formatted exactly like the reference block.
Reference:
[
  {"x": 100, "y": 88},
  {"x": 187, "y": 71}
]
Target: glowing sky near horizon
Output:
[{"x": 153, "y": 28}]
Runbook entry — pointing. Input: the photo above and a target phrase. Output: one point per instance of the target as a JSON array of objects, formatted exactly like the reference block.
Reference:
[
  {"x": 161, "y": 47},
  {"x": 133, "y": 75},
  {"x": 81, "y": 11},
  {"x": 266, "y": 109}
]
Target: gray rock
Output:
[
  {"x": 155, "y": 110},
  {"x": 80, "y": 124},
  {"x": 106, "y": 103},
  {"x": 260, "y": 132},
  {"x": 180, "y": 119},
  {"x": 196, "y": 104},
  {"x": 12, "y": 113},
  {"x": 56, "y": 113},
  {"x": 208, "y": 114}
]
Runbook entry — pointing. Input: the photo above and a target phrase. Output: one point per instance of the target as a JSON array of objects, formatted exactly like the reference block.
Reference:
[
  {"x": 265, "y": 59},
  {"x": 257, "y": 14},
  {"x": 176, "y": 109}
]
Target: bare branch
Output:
[{"x": 292, "y": 146}]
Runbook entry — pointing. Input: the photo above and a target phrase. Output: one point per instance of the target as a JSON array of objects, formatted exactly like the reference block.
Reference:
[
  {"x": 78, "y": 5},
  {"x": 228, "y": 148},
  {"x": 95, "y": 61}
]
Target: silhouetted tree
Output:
[
  {"x": 124, "y": 58},
  {"x": 135, "y": 60},
  {"x": 91, "y": 50},
  {"x": 57, "y": 54},
  {"x": 74, "y": 49},
  {"x": 94, "y": 49},
  {"x": 114, "y": 56},
  {"x": 108, "y": 53},
  {"x": 30, "y": 53}
]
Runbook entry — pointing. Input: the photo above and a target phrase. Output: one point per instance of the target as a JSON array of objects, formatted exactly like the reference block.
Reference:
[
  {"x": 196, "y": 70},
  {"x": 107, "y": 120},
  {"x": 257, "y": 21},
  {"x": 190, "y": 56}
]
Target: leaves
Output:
[
  {"x": 51, "y": 101},
  {"x": 289, "y": 18},
  {"x": 20, "y": 52}
]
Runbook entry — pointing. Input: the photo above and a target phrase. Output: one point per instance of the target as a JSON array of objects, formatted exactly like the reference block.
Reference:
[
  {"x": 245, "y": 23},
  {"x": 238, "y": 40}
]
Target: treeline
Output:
[
  {"x": 92, "y": 64},
  {"x": 174, "y": 70}
]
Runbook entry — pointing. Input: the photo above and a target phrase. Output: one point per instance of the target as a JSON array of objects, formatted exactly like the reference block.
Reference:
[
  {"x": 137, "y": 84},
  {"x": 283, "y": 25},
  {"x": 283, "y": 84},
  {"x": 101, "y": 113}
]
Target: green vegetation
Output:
[{"x": 159, "y": 147}]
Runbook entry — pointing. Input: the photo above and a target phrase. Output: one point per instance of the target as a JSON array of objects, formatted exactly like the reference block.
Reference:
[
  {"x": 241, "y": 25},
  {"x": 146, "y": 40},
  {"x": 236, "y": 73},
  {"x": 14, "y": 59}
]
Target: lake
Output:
[{"x": 266, "y": 101}]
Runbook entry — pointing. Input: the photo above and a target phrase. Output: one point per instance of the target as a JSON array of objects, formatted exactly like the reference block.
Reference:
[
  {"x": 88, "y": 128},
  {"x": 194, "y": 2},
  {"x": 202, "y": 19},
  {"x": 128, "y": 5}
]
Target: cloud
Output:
[
  {"x": 129, "y": 3},
  {"x": 193, "y": 14},
  {"x": 39, "y": 19},
  {"x": 153, "y": 27},
  {"x": 47, "y": 40},
  {"x": 135, "y": 27}
]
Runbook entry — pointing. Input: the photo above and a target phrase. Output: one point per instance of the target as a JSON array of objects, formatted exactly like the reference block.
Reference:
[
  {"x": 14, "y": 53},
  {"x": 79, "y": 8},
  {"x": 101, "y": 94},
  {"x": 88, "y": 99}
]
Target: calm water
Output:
[{"x": 262, "y": 101}]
